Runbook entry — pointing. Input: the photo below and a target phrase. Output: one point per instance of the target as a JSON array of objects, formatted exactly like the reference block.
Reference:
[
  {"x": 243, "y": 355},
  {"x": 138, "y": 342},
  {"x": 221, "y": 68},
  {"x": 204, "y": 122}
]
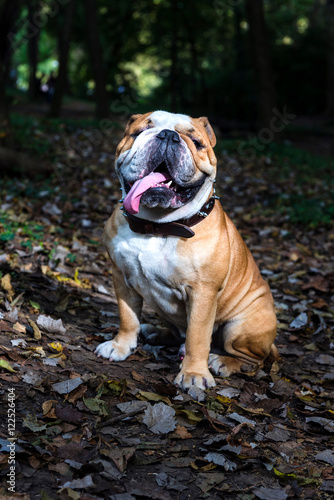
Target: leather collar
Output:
[{"x": 179, "y": 228}]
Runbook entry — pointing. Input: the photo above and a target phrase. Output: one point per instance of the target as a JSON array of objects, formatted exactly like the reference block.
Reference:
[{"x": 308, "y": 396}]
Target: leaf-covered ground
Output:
[{"x": 87, "y": 428}]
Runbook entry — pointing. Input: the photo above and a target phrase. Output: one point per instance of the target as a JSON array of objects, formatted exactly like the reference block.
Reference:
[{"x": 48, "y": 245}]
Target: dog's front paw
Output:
[
  {"x": 184, "y": 380},
  {"x": 115, "y": 350}
]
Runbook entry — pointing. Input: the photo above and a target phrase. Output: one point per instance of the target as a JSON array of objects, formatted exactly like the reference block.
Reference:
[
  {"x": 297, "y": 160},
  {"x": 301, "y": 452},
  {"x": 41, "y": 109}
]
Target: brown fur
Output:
[{"x": 224, "y": 286}]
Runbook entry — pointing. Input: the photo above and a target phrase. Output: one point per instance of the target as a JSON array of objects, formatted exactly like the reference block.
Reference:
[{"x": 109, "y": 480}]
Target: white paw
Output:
[
  {"x": 203, "y": 381},
  {"x": 115, "y": 351}
]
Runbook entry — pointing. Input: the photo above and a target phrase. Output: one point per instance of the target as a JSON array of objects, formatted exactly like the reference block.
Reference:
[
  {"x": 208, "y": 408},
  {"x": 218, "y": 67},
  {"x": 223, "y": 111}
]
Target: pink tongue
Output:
[{"x": 132, "y": 199}]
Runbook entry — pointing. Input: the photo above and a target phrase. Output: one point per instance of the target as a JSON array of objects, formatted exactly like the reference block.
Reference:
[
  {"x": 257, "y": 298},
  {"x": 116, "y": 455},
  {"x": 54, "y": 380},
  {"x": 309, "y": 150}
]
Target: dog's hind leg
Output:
[{"x": 247, "y": 342}]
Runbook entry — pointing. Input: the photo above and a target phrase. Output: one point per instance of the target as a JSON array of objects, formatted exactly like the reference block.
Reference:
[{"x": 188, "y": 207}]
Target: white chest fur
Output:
[{"x": 150, "y": 265}]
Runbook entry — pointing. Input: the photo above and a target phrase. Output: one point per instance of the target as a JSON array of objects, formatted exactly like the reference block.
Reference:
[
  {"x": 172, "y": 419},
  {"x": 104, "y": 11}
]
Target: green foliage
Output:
[
  {"x": 190, "y": 55},
  {"x": 71, "y": 257},
  {"x": 28, "y": 136},
  {"x": 9, "y": 226},
  {"x": 308, "y": 200},
  {"x": 308, "y": 211}
]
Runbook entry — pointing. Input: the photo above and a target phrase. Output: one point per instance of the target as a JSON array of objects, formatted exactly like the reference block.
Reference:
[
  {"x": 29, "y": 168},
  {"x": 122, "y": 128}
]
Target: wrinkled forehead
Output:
[{"x": 171, "y": 121}]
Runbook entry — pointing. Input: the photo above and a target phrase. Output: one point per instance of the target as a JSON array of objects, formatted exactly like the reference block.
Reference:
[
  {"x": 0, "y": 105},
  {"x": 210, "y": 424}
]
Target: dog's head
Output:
[{"x": 166, "y": 165}]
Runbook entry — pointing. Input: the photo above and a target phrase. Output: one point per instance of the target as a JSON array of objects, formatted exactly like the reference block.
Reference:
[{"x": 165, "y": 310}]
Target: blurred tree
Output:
[
  {"x": 330, "y": 59},
  {"x": 187, "y": 55},
  {"x": 64, "y": 45},
  {"x": 174, "y": 57},
  {"x": 33, "y": 42},
  {"x": 9, "y": 10},
  {"x": 262, "y": 61},
  {"x": 96, "y": 55}
]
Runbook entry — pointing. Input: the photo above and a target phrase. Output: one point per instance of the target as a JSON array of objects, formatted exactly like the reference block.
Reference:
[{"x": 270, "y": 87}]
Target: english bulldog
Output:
[{"x": 174, "y": 247}]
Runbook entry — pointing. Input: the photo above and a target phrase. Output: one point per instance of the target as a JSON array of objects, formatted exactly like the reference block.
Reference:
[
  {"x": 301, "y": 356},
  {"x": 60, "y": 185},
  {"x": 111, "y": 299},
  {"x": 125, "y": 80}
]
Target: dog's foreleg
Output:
[
  {"x": 130, "y": 305},
  {"x": 201, "y": 313}
]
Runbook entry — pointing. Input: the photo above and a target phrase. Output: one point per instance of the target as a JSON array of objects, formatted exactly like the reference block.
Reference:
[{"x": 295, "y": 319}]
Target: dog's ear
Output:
[
  {"x": 132, "y": 119},
  {"x": 205, "y": 123}
]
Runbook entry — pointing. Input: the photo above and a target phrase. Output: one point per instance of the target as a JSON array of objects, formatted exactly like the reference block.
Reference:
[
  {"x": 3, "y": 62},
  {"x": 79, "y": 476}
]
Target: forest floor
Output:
[{"x": 87, "y": 428}]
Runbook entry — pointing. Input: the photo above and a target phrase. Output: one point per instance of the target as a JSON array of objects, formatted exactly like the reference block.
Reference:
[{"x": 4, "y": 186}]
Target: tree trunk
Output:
[
  {"x": 63, "y": 60},
  {"x": 330, "y": 59},
  {"x": 96, "y": 51},
  {"x": 262, "y": 61},
  {"x": 8, "y": 15},
  {"x": 173, "y": 75},
  {"x": 33, "y": 53}
]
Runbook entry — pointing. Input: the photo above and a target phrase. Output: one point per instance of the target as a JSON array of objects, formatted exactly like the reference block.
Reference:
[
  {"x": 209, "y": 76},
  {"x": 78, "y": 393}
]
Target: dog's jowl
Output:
[{"x": 174, "y": 247}]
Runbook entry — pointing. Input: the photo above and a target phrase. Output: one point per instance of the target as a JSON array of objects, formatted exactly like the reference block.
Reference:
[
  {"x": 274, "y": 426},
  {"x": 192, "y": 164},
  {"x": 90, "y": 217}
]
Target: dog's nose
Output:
[{"x": 166, "y": 135}]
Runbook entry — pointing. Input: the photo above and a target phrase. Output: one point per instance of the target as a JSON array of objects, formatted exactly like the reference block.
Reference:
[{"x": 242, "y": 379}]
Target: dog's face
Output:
[{"x": 166, "y": 164}]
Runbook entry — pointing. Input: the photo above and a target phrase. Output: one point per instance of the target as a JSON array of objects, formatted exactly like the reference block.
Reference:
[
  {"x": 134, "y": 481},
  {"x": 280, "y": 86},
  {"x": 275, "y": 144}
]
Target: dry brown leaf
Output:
[
  {"x": 19, "y": 328},
  {"x": 7, "y": 286},
  {"x": 34, "y": 462},
  {"x": 37, "y": 332},
  {"x": 182, "y": 432},
  {"x": 136, "y": 376},
  {"x": 48, "y": 408},
  {"x": 77, "y": 394},
  {"x": 318, "y": 282}
]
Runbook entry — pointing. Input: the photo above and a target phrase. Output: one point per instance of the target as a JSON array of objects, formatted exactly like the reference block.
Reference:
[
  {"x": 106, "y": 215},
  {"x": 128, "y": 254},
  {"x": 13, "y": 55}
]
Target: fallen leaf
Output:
[
  {"x": 168, "y": 482},
  {"x": 96, "y": 404},
  {"x": 229, "y": 392},
  {"x": 152, "y": 396},
  {"x": 131, "y": 406},
  {"x": 77, "y": 394},
  {"x": 318, "y": 283},
  {"x": 18, "y": 342},
  {"x": 32, "y": 423},
  {"x": 68, "y": 414},
  {"x": 182, "y": 432},
  {"x": 206, "y": 481},
  {"x": 48, "y": 408},
  {"x": 85, "y": 482},
  {"x": 278, "y": 435},
  {"x": 241, "y": 419},
  {"x": 220, "y": 459},
  {"x": 51, "y": 325},
  {"x": 37, "y": 332},
  {"x": 325, "y": 359},
  {"x": 299, "y": 321},
  {"x": 270, "y": 493},
  {"x": 121, "y": 456},
  {"x": 67, "y": 386},
  {"x": 160, "y": 418},
  {"x": 193, "y": 417},
  {"x": 327, "y": 486},
  {"x": 19, "y": 328},
  {"x": 327, "y": 424},
  {"x": 7, "y": 366},
  {"x": 7, "y": 286},
  {"x": 326, "y": 456}
]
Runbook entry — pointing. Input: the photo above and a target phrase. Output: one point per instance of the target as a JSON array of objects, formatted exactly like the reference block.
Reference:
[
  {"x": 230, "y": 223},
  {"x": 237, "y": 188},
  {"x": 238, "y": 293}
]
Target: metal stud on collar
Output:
[
  {"x": 214, "y": 196},
  {"x": 202, "y": 214}
]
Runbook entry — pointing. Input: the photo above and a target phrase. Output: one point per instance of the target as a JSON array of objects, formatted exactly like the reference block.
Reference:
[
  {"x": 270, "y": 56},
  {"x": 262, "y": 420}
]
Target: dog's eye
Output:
[
  {"x": 138, "y": 132},
  {"x": 135, "y": 134},
  {"x": 198, "y": 144}
]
